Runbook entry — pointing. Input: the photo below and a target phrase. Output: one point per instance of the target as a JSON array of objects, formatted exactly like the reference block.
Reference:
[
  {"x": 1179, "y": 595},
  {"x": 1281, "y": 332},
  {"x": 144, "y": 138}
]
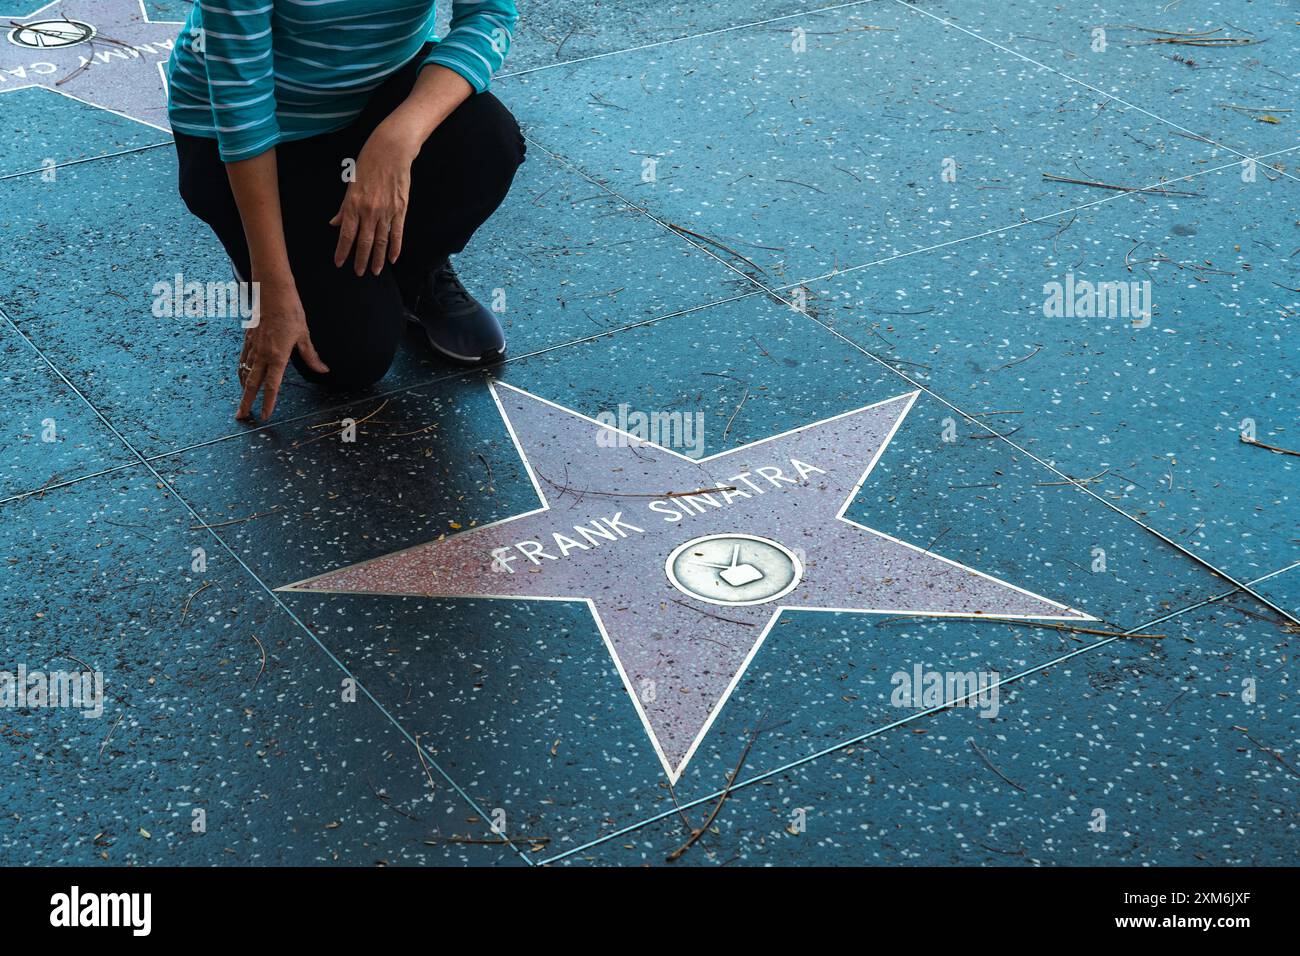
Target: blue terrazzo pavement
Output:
[
  {"x": 1152, "y": 739},
  {"x": 51, "y": 436},
  {"x": 42, "y": 131},
  {"x": 1153, "y": 409},
  {"x": 102, "y": 577},
  {"x": 1219, "y": 69},
  {"x": 693, "y": 172},
  {"x": 521, "y": 699},
  {"x": 830, "y": 137}
]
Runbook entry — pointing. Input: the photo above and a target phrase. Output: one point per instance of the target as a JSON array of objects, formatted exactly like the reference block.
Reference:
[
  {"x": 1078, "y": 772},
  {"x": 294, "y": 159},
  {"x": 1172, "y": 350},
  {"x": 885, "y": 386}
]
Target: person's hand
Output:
[
  {"x": 374, "y": 208},
  {"x": 280, "y": 326}
]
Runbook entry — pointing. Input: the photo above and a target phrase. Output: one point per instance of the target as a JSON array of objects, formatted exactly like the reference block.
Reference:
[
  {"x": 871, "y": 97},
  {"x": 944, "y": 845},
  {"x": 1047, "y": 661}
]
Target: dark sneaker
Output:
[{"x": 456, "y": 324}]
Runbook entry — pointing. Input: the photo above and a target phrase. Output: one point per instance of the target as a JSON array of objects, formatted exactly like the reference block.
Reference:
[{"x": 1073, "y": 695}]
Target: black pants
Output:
[{"x": 356, "y": 322}]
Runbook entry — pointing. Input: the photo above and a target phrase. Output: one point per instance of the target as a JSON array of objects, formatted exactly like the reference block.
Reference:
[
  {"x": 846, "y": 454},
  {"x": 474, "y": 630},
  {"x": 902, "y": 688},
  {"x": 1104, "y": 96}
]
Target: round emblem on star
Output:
[
  {"x": 51, "y": 34},
  {"x": 734, "y": 569}
]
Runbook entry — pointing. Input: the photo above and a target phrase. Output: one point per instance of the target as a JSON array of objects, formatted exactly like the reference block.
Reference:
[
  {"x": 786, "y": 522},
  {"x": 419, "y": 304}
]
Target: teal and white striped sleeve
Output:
[
  {"x": 236, "y": 39},
  {"x": 479, "y": 38}
]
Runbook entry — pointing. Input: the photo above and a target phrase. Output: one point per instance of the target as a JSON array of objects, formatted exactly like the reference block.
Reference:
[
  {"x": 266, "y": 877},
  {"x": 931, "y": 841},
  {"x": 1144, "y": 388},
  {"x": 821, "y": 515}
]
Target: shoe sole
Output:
[{"x": 489, "y": 358}]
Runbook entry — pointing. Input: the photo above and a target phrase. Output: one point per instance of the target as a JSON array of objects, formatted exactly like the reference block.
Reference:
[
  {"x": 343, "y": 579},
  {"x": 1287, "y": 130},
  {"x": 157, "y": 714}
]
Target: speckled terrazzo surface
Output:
[{"x": 748, "y": 221}]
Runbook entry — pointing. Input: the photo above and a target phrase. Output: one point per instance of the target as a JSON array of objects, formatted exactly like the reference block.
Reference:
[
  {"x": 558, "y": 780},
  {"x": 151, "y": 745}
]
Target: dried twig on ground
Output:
[
  {"x": 796, "y": 182},
  {"x": 1203, "y": 41},
  {"x": 1073, "y": 481},
  {"x": 53, "y": 478},
  {"x": 1024, "y": 358},
  {"x": 340, "y": 431},
  {"x": 185, "y": 608},
  {"x": 565, "y": 488},
  {"x": 109, "y": 736},
  {"x": 424, "y": 763},
  {"x": 731, "y": 782},
  {"x": 1073, "y": 629},
  {"x": 1185, "y": 38},
  {"x": 1155, "y": 190},
  {"x": 387, "y": 801},
  {"x": 534, "y": 842},
  {"x": 1252, "y": 109},
  {"x": 1268, "y": 750},
  {"x": 1273, "y": 448},
  {"x": 719, "y": 617},
  {"x": 989, "y": 763},
  {"x": 714, "y": 242},
  {"x": 261, "y": 647},
  {"x": 732, "y": 419},
  {"x": 222, "y": 524}
]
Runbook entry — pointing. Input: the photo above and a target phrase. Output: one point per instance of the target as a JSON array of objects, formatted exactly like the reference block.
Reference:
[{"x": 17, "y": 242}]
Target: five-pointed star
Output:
[
  {"x": 106, "y": 53},
  {"x": 684, "y": 585}
]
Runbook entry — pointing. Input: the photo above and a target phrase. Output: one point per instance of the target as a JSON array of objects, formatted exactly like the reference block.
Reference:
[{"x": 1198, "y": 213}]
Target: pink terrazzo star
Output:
[{"x": 686, "y": 564}]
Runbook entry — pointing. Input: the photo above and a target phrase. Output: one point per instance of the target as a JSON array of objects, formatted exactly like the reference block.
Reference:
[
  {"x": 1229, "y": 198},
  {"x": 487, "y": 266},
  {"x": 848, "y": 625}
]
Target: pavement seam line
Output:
[
  {"x": 972, "y": 419},
  {"x": 682, "y": 39},
  {"x": 1073, "y": 79},
  {"x": 378, "y": 396},
  {"x": 257, "y": 580},
  {"x": 892, "y": 725}
]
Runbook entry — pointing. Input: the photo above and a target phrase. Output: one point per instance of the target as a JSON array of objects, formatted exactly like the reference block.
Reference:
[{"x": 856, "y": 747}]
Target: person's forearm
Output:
[
  {"x": 256, "y": 186},
  {"x": 435, "y": 96}
]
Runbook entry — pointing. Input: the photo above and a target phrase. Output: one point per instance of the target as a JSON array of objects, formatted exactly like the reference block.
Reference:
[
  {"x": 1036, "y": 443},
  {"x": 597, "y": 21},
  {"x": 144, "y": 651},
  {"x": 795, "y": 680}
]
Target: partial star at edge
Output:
[{"x": 104, "y": 53}]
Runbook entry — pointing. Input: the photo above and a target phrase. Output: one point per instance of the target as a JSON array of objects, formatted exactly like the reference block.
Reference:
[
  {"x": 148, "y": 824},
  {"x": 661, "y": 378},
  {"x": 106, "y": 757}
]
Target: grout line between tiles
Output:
[
  {"x": 972, "y": 419},
  {"x": 85, "y": 159},
  {"x": 682, "y": 39},
  {"x": 1027, "y": 222},
  {"x": 56, "y": 485},
  {"x": 1079, "y": 82},
  {"x": 270, "y": 592},
  {"x": 877, "y": 731},
  {"x": 377, "y": 396}
]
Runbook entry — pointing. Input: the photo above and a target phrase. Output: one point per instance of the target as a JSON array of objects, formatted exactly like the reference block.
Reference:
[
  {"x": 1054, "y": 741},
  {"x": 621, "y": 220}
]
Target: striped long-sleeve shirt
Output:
[{"x": 253, "y": 73}]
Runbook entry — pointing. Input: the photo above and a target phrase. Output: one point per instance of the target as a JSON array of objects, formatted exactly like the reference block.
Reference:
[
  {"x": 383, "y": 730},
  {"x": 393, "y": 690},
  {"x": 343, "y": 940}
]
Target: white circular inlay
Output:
[
  {"x": 51, "y": 34},
  {"x": 734, "y": 569}
]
